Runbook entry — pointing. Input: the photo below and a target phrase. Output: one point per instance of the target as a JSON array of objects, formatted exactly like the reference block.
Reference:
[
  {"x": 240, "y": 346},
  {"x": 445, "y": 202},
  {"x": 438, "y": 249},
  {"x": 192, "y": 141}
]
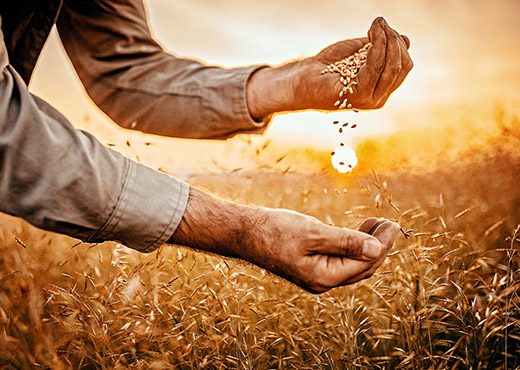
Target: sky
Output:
[{"x": 465, "y": 53}]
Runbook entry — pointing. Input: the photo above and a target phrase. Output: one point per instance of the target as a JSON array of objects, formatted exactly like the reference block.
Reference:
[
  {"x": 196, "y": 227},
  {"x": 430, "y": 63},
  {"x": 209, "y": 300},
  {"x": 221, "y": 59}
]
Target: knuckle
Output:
[
  {"x": 346, "y": 245},
  {"x": 381, "y": 102},
  {"x": 408, "y": 65},
  {"x": 379, "y": 66},
  {"x": 395, "y": 70},
  {"x": 313, "y": 229}
]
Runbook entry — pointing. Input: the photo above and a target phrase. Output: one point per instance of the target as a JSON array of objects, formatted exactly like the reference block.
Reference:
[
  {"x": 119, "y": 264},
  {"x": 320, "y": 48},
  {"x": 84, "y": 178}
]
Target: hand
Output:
[
  {"x": 386, "y": 67},
  {"x": 301, "y": 85},
  {"x": 318, "y": 257},
  {"x": 296, "y": 247}
]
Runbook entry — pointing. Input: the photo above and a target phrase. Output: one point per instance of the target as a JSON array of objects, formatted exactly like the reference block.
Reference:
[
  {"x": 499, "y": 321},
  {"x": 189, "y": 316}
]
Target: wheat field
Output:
[{"x": 447, "y": 297}]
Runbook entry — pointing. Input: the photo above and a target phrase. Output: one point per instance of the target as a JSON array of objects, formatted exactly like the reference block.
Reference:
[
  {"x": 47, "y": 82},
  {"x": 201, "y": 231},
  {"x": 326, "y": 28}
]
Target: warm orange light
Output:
[{"x": 344, "y": 159}]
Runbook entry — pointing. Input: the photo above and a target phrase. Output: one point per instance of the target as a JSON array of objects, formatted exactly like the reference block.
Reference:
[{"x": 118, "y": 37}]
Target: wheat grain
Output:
[{"x": 348, "y": 69}]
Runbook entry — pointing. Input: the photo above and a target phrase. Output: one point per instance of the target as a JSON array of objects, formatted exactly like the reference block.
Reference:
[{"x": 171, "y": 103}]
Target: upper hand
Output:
[
  {"x": 301, "y": 85},
  {"x": 386, "y": 67}
]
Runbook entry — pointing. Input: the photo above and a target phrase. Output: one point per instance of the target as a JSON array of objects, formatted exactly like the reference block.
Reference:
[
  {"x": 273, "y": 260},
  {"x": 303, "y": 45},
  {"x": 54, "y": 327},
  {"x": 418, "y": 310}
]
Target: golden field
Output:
[{"x": 446, "y": 298}]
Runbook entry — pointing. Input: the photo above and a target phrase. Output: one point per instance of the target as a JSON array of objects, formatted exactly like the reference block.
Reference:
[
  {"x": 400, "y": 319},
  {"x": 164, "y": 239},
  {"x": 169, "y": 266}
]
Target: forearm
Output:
[
  {"x": 142, "y": 87},
  {"x": 233, "y": 230},
  {"x": 64, "y": 180}
]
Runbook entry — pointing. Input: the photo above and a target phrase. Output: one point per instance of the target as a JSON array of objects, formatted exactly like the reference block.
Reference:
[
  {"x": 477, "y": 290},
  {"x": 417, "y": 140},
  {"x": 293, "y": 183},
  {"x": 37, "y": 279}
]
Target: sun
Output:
[{"x": 344, "y": 159}]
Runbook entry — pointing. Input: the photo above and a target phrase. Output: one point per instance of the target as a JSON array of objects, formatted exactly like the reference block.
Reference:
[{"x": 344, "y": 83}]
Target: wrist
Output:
[
  {"x": 215, "y": 225},
  {"x": 273, "y": 89}
]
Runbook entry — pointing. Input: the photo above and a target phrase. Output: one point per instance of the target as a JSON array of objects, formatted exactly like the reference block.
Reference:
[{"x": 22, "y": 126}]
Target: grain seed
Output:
[{"x": 348, "y": 69}]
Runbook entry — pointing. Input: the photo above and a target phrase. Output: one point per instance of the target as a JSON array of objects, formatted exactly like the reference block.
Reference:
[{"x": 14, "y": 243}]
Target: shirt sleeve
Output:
[
  {"x": 140, "y": 86},
  {"x": 62, "y": 179}
]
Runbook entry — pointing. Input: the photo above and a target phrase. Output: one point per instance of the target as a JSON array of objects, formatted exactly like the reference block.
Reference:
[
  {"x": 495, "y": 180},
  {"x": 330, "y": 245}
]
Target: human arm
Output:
[
  {"x": 141, "y": 86},
  {"x": 299, "y": 248},
  {"x": 62, "y": 179}
]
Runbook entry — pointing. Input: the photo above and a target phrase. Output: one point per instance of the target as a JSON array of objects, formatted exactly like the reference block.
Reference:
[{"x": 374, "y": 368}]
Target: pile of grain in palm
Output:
[{"x": 348, "y": 69}]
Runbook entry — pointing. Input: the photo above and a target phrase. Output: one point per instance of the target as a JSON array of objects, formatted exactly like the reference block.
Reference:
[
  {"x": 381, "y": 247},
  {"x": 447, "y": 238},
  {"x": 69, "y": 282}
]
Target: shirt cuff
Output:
[
  {"x": 226, "y": 103},
  {"x": 148, "y": 210}
]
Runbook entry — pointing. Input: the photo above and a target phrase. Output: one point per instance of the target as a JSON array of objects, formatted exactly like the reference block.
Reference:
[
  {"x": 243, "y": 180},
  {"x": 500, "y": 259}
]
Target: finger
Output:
[
  {"x": 406, "y": 41},
  {"x": 362, "y": 276},
  {"x": 365, "y": 274},
  {"x": 369, "y": 74},
  {"x": 407, "y": 66},
  {"x": 335, "y": 271},
  {"x": 386, "y": 232},
  {"x": 364, "y": 40},
  {"x": 354, "y": 270},
  {"x": 340, "y": 50},
  {"x": 393, "y": 66},
  {"x": 370, "y": 224},
  {"x": 341, "y": 242}
]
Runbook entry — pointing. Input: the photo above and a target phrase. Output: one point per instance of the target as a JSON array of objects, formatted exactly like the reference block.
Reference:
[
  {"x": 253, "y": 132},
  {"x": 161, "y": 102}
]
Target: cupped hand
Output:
[
  {"x": 318, "y": 257},
  {"x": 386, "y": 67}
]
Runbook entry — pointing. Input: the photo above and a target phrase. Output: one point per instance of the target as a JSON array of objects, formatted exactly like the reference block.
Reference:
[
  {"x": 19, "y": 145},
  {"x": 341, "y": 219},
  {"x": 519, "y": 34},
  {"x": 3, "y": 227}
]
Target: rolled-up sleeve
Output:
[
  {"x": 140, "y": 86},
  {"x": 62, "y": 179}
]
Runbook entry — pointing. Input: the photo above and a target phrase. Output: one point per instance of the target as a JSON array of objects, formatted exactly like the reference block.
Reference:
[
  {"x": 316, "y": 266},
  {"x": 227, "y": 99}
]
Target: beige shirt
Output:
[{"x": 64, "y": 180}]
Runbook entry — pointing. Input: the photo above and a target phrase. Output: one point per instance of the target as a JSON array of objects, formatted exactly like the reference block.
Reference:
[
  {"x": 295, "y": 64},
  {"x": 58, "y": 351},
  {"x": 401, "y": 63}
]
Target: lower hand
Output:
[
  {"x": 318, "y": 257},
  {"x": 296, "y": 247}
]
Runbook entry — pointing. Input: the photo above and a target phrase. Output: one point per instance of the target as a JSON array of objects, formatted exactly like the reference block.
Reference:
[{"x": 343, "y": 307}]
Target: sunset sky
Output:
[{"x": 466, "y": 53}]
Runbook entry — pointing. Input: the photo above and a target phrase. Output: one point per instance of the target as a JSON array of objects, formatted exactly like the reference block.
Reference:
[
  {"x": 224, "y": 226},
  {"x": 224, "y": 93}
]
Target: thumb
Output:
[
  {"x": 386, "y": 233},
  {"x": 342, "y": 242}
]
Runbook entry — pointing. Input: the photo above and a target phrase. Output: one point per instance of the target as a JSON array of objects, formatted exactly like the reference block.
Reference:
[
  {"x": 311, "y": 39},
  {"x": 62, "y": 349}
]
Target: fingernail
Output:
[{"x": 371, "y": 248}]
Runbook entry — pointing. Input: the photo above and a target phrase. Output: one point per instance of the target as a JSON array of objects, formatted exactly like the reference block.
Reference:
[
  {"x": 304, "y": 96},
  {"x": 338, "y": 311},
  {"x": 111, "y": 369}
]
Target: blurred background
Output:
[{"x": 466, "y": 56}]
